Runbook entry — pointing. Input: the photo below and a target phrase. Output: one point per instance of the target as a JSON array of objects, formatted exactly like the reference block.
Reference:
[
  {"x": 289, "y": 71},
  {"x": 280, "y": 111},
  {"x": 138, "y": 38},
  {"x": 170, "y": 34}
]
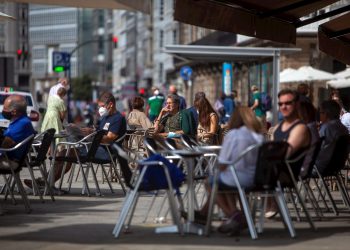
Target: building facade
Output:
[
  {"x": 14, "y": 47},
  {"x": 55, "y": 28}
]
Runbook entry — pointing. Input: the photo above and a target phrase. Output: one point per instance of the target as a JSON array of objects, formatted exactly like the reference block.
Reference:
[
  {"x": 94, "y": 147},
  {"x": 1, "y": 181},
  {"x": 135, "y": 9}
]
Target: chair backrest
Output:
[
  {"x": 170, "y": 143},
  {"x": 48, "y": 137},
  {"x": 271, "y": 156},
  {"x": 188, "y": 141},
  {"x": 315, "y": 150},
  {"x": 340, "y": 155},
  {"x": 96, "y": 141},
  {"x": 151, "y": 145}
]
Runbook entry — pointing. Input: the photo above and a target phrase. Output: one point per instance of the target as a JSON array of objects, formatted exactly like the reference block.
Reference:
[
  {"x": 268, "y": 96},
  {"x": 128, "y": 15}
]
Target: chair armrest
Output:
[
  {"x": 17, "y": 145},
  {"x": 148, "y": 163}
]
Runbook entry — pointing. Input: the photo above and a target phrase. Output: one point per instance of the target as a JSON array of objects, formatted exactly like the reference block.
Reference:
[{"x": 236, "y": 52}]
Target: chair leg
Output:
[
  {"x": 129, "y": 199},
  {"x": 7, "y": 188},
  {"x": 22, "y": 192},
  {"x": 328, "y": 193},
  {"x": 151, "y": 206},
  {"x": 321, "y": 195},
  {"x": 343, "y": 191},
  {"x": 104, "y": 173},
  {"x": 90, "y": 165},
  {"x": 72, "y": 176},
  {"x": 131, "y": 213},
  {"x": 247, "y": 213},
  {"x": 284, "y": 212},
  {"x": 35, "y": 184},
  {"x": 85, "y": 180},
  {"x": 47, "y": 185}
]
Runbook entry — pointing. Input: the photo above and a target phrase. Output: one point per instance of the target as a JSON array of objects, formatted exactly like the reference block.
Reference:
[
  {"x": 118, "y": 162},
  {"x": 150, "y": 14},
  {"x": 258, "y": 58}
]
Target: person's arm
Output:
[
  {"x": 109, "y": 137},
  {"x": 255, "y": 104},
  {"x": 8, "y": 142},
  {"x": 62, "y": 115},
  {"x": 298, "y": 138},
  {"x": 157, "y": 125}
]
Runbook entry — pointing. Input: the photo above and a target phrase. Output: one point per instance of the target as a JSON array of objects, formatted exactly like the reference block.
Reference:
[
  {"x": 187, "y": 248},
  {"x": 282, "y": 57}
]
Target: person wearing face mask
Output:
[
  {"x": 15, "y": 110},
  {"x": 114, "y": 125}
]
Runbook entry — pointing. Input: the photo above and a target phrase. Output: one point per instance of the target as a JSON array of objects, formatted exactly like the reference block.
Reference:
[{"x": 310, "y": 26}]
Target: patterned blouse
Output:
[{"x": 173, "y": 123}]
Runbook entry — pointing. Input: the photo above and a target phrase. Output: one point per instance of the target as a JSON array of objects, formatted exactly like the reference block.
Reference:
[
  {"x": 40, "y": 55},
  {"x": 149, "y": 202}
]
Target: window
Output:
[
  {"x": 161, "y": 9},
  {"x": 161, "y": 69},
  {"x": 2, "y": 29},
  {"x": 175, "y": 37},
  {"x": 161, "y": 39}
]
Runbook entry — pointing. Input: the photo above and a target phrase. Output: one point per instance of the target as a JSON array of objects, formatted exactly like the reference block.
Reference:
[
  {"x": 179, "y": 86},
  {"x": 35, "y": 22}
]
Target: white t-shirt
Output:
[
  {"x": 345, "y": 120},
  {"x": 235, "y": 141},
  {"x": 55, "y": 88}
]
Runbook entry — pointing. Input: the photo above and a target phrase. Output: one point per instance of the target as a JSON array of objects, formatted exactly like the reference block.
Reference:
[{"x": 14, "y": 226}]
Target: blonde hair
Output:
[{"x": 244, "y": 116}]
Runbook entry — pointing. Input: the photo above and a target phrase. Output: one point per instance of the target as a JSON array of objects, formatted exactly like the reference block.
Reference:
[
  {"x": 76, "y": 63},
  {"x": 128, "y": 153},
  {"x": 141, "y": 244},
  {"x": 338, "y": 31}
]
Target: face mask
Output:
[
  {"x": 103, "y": 111},
  {"x": 7, "y": 115},
  {"x": 156, "y": 92}
]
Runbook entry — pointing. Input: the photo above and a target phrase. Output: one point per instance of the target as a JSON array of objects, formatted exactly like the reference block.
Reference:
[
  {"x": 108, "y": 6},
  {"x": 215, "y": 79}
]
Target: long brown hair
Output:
[
  {"x": 244, "y": 116},
  {"x": 204, "y": 110}
]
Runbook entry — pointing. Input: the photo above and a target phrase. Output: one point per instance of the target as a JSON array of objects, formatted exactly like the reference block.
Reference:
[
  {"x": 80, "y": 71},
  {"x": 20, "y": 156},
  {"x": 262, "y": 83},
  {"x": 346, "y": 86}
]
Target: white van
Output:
[{"x": 32, "y": 109}]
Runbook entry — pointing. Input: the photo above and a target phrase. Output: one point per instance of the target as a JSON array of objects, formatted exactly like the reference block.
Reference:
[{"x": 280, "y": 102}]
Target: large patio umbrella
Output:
[
  {"x": 4, "y": 16},
  {"x": 343, "y": 74},
  {"x": 287, "y": 74},
  {"x": 307, "y": 74},
  {"x": 339, "y": 83}
]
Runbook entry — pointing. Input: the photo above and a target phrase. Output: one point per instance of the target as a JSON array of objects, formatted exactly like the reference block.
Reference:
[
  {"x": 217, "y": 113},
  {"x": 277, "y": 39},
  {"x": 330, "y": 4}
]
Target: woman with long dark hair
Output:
[{"x": 208, "y": 121}]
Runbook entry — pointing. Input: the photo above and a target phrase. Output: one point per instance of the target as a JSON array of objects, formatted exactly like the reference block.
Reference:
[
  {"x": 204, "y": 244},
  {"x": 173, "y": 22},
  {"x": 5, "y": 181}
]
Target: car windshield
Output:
[{"x": 4, "y": 96}]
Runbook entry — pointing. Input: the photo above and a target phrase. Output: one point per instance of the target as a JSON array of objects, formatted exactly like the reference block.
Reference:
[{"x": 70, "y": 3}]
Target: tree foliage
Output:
[{"x": 82, "y": 88}]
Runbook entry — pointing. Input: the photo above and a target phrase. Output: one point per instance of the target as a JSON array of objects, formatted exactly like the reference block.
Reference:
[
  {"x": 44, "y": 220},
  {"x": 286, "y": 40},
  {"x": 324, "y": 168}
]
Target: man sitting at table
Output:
[
  {"x": 20, "y": 127},
  {"x": 115, "y": 126},
  {"x": 172, "y": 122}
]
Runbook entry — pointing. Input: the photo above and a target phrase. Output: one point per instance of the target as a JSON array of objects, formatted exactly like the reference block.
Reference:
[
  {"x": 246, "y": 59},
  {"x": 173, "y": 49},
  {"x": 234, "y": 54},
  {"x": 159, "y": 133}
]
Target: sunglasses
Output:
[{"x": 285, "y": 103}]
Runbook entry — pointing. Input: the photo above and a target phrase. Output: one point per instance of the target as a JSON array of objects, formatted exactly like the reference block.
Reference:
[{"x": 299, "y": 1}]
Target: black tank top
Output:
[{"x": 280, "y": 135}]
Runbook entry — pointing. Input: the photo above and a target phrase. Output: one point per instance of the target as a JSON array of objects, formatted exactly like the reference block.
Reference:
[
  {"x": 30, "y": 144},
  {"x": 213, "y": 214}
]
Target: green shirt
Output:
[
  {"x": 155, "y": 104},
  {"x": 258, "y": 110}
]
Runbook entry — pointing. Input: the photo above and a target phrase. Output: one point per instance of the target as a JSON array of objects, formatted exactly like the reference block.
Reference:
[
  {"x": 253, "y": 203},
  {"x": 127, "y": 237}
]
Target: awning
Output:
[
  {"x": 267, "y": 19},
  {"x": 334, "y": 38},
  {"x": 132, "y": 5},
  {"x": 205, "y": 54},
  {"x": 224, "y": 53}
]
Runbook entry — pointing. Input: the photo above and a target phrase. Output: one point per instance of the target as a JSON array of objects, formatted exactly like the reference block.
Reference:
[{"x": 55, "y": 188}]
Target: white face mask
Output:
[
  {"x": 103, "y": 111},
  {"x": 156, "y": 92}
]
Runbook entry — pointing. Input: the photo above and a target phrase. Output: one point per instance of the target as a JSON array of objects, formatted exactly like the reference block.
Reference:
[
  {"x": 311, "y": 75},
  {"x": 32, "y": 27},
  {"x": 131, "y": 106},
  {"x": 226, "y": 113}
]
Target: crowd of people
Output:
[{"x": 301, "y": 125}]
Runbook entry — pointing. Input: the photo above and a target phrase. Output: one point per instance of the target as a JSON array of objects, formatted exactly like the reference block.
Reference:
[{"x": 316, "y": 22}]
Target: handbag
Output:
[{"x": 154, "y": 177}]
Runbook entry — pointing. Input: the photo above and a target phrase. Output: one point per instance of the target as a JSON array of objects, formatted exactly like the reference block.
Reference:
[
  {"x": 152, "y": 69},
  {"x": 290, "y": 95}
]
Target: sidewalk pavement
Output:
[{"x": 75, "y": 221}]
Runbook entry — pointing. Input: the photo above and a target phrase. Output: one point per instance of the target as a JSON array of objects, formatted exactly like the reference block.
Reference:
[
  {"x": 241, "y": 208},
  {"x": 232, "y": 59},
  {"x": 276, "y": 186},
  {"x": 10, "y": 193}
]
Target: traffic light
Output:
[
  {"x": 115, "y": 41},
  {"x": 19, "y": 54}
]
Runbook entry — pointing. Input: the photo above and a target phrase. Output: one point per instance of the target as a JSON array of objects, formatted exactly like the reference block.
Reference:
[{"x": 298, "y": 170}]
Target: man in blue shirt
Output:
[{"x": 15, "y": 110}]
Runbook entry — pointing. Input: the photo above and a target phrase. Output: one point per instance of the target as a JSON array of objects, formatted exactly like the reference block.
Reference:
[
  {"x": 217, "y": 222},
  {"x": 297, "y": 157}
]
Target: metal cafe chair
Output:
[
  {"x": 333, "y": 171},
  {"x": 133, "y": 194},
  {"x": 11, "y": 171},
  {"x": 37, "y": 158},
  {"x": 270, "y": 156},
  {"x": 91, "y": 142}
]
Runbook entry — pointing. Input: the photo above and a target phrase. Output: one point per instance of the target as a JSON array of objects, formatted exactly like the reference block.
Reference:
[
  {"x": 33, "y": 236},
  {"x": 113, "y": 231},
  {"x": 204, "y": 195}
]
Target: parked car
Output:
[{"x": 32, "y": 108}]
